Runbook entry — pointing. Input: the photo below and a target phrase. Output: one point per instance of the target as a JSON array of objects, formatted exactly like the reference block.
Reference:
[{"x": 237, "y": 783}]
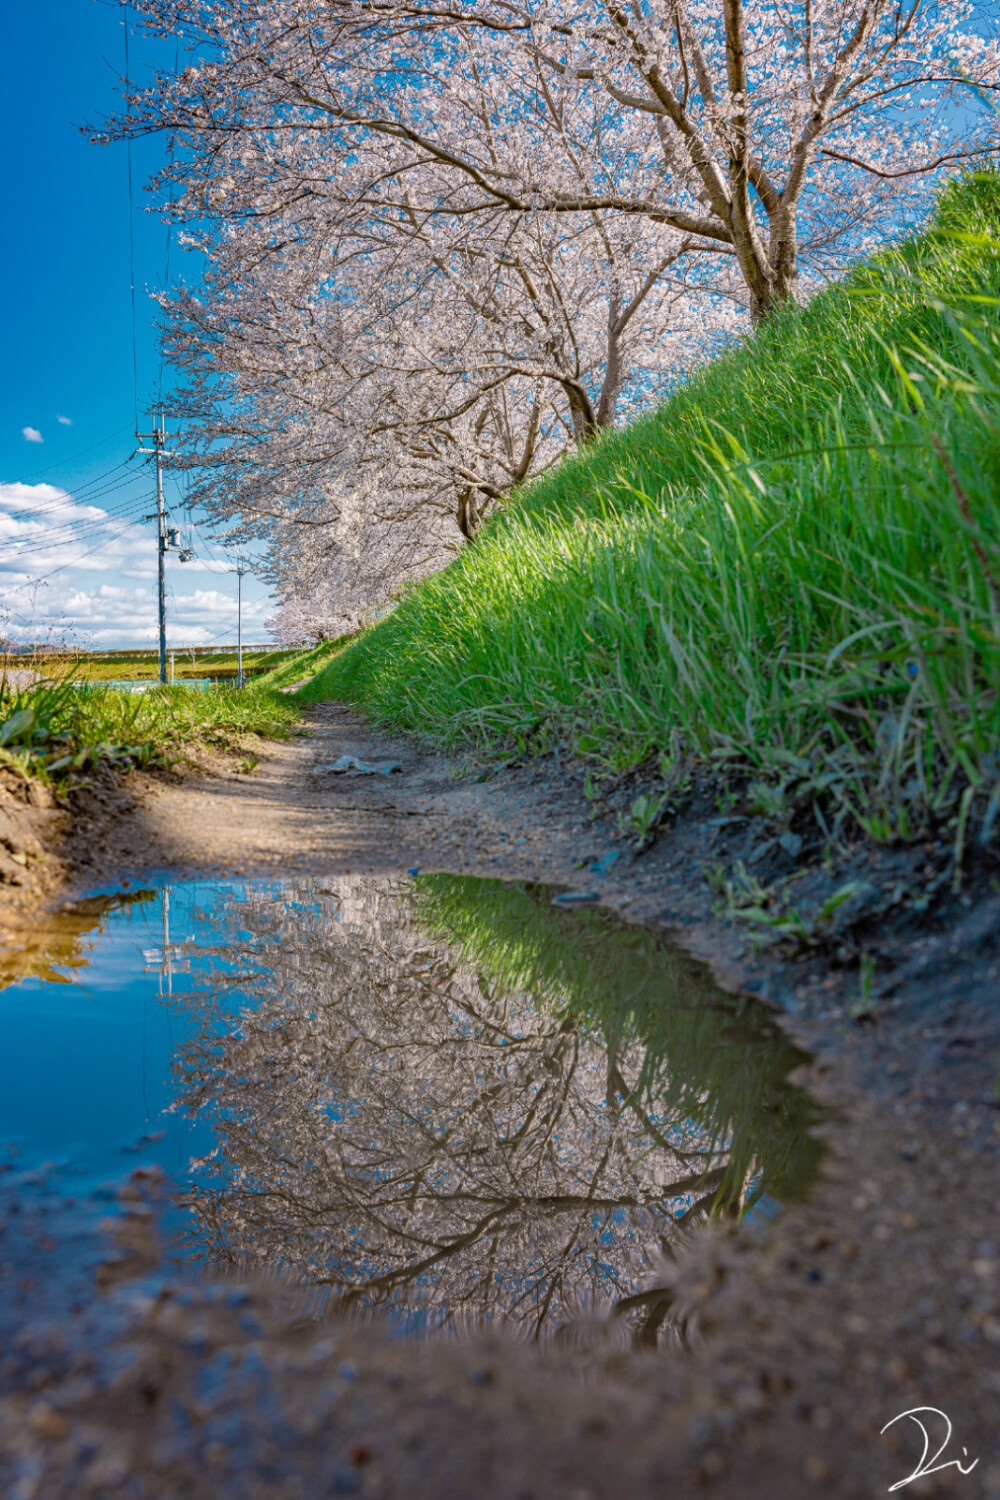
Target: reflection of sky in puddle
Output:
[
  {"x": 85, "y": 1062},
  {"x": 441, "y": 1098}
]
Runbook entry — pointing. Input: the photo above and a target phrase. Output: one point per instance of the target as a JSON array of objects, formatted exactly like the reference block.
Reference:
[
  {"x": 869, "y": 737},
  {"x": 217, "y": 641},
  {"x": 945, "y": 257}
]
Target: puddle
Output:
[{"x": 442, "y": 1099}]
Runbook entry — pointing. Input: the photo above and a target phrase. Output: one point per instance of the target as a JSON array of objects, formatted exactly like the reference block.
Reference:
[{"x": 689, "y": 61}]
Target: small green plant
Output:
[
  {"x": 768, "y": 801},
  {"x": 773, "y": 920},
  {"x": 593, "y": 794},
  {"x": 865, "y": 1004},
  {"x": 643, "y": 818},
  {"x": 726, "y": 801},
  {"x": 744, "y": 891}
]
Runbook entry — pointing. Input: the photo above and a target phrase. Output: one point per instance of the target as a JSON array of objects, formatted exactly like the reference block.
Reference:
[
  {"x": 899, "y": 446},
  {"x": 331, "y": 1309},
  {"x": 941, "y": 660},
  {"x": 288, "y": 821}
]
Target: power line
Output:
[
  {"x": 251, "y": 613},
  {"x": 96, "y": 489},
  {"x": 86, "y": 496},
  {"x": 62, "y": 462},
  {"x": 98, "y": 483},
  {"x": 107, "y": 509},
  {"x": 131, "y": 227},
  {"x": 74, "y": 562},
  {"x": 64, "y": 527},
  {"x": 68, "y": 537},
  {"x": 262, "y": 604},
  {"x": 117, "y": 520},
  {"x": 170, "y": 221},
  {"x": 220, "y": 567},
  {"x": 215, "y": 564}
]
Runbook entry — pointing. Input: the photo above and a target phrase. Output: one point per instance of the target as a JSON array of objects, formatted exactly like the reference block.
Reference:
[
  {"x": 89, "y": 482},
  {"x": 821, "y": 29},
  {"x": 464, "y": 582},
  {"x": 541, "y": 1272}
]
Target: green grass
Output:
[
  {"x": 792, "y": 566},
  {"x": 298, "y": 665},
  {"x": 55, "y": 731}
]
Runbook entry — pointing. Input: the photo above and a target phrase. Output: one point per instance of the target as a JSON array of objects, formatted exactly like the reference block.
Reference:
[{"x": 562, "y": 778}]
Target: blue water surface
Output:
[{"x": 85, "y": 1064}]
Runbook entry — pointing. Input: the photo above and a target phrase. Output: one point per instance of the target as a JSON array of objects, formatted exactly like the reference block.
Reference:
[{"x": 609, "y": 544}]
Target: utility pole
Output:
[
  {"x": 170, "y": 959},
  {"x": 166, "y": 942},
  {"x": 239, "y": 570},
  {"x": 158, "y": 438}
]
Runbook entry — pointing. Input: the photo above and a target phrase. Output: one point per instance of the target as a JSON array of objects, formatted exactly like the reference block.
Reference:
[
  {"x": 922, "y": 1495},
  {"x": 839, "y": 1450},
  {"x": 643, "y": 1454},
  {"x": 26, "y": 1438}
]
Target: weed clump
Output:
[{"x": 55, "y": 730}]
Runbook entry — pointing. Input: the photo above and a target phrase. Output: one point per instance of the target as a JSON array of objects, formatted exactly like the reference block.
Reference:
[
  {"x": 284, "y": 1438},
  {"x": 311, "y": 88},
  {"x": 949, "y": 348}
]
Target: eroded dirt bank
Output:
[{"x": 880, "y": 1295}]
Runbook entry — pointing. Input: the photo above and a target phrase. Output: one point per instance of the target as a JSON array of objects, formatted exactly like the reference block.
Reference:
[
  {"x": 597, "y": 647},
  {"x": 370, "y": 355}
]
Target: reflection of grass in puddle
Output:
[{"x": 716, "y": 1060}]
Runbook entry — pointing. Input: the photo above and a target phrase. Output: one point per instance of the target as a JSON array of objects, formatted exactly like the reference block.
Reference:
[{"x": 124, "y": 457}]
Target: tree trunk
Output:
[
  {"x": 771, "y": 274},
  {"x": 783, "y": 255},
  {"x": 468, "y": 515},
  {"x": 612, "y": 371},
  {"x": 581, "y": 409}
]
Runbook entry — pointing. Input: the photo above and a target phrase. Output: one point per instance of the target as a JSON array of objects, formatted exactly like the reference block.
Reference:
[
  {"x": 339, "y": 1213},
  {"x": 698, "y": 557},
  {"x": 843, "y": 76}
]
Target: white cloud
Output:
[
  {"x": 69, "y": 570},
  {"x": 65, "y": 421},
  {"x": 48, "y": 498},
  {"x": 32, "y": 435},
  {"x": 114, "y": 616}
]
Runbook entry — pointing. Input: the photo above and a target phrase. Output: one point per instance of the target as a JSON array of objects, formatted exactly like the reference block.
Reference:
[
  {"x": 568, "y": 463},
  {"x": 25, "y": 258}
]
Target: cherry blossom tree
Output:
[
  {"x": 366, "y": 382},
  {"x": 446, "y": 361},
  {"x": 774, "y": 134},
  {"x": 445, "y": 241}
]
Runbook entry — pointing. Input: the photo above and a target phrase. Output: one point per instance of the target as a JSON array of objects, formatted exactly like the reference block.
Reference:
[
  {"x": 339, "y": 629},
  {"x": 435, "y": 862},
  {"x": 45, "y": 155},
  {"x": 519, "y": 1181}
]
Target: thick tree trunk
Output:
[
  {"x": 469, "y": 514},
  {"x": 771, "y": 273},
  {"x": 783, "y": 255},
  {"x": 612, "y": 372},
  {"x": 585, "y": 426}
]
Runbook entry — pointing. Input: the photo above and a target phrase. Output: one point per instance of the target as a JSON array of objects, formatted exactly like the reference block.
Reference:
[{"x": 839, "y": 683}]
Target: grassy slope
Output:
[
  {"x": 302, "y": 664},
  {"x": 792, "y": 563}
]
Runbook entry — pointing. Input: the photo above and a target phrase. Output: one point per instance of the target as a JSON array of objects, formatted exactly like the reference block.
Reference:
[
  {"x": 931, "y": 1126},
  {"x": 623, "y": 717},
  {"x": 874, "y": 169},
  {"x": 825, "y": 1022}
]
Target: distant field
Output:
[{"x": 220, "y": 666}]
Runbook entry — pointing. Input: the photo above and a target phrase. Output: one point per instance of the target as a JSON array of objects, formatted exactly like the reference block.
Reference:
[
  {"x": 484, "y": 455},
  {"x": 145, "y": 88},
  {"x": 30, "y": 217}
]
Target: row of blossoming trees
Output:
[{"x": 447, "y": 240}]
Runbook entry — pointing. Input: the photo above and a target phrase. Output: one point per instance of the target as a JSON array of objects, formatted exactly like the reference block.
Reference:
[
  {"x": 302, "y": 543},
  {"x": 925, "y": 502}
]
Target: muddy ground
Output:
[{"x": 880, "y": 1295}]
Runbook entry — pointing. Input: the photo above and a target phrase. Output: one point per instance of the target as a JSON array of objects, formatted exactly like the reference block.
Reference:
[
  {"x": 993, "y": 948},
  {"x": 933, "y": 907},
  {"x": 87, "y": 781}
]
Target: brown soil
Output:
[
  {"x": 879, "y": 1296},
  {"x": 32, "y": 828}
]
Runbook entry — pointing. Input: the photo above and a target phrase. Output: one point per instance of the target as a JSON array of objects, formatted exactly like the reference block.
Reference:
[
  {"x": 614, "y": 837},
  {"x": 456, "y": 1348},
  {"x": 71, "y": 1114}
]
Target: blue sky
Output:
[{"x": 70, "y": 562}]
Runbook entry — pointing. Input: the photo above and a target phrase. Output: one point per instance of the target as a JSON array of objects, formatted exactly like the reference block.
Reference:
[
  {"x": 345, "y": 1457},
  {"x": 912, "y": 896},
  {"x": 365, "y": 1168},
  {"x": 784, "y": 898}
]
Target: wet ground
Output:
[{"x": 434, "y": 1184}]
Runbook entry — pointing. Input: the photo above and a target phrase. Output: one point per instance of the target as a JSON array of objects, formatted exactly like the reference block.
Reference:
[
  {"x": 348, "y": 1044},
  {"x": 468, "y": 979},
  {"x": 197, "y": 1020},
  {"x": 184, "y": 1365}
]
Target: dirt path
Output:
[
  {"x": 881, "y": 1295},
  {"x": 291, "y": 815}
]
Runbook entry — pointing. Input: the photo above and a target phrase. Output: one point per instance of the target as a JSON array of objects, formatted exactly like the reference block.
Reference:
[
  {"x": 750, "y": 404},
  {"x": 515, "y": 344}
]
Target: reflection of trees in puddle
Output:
[
  {"x": 511, "y": 1118},
  {"x": 53, "y": 947}
]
